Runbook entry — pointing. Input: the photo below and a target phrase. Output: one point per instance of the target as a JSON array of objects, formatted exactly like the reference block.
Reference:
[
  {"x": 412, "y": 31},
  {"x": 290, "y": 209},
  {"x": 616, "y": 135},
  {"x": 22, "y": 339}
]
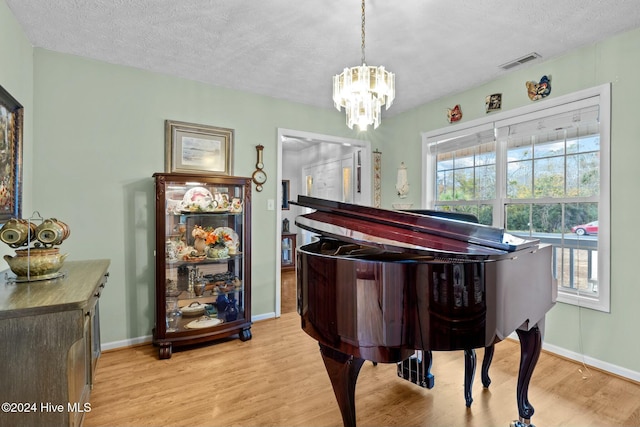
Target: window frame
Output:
[{"x": 599, "y": 95}]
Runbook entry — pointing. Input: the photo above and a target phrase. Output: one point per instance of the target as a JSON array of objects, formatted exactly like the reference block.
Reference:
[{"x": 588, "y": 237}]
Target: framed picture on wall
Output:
[
  {"x": 11, "y": 125},
  {"x": 197, "y": 148}
]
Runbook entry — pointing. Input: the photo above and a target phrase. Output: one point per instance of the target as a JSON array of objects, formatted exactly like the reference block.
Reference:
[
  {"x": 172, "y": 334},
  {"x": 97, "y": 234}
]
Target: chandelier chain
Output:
[
  {"x": 363, "y": 90},
  {"x": 363, "y": 61}
]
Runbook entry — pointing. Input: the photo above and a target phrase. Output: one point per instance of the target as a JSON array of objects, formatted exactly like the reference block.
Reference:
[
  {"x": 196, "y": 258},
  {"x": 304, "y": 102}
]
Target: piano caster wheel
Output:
[{"x": 521, "y": 423}]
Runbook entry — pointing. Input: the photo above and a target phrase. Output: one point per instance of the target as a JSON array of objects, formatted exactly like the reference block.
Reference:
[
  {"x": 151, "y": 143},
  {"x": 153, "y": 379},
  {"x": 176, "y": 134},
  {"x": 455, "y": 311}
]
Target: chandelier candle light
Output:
[{"x": 363, "y": 90}]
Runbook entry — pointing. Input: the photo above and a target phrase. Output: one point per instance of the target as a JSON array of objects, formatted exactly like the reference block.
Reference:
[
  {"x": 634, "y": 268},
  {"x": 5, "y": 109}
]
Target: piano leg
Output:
[
  {"x": 469, "y": 373},
  {"x": 530, "y": 346},
  {"x": 343, "y": 371},
  {"x": 486, "y": 362},
  {"x": 470, "y": 370}
]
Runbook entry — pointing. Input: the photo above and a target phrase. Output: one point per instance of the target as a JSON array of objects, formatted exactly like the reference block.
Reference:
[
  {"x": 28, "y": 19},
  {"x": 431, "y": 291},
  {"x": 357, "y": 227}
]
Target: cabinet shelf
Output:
[
  {"x": 203, "y": 261},
  {"x": 176, "y": 278}
]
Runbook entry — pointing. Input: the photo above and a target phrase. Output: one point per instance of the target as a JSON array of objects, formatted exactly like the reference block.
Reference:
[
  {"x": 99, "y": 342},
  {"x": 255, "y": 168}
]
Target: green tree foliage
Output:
[{"x": 554, "y": 176}]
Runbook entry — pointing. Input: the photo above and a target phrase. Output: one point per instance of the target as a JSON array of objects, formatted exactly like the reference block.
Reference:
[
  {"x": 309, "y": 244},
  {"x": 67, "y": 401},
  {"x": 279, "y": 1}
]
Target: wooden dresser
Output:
[{"x": 49, "y": 345}]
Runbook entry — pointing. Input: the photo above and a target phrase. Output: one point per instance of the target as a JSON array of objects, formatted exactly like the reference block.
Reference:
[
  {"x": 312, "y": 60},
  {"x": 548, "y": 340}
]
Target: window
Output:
[{"x": 541, "y": 171}]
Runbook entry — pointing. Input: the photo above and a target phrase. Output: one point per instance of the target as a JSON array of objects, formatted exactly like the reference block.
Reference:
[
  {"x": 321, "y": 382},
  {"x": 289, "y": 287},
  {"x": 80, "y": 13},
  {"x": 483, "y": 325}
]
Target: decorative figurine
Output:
[
  {"x": 493, "y": 102},
  {"x": 454, "y": 114},
  {"x": 539, "y": 90},
  {"x": 402, "y": 181}
]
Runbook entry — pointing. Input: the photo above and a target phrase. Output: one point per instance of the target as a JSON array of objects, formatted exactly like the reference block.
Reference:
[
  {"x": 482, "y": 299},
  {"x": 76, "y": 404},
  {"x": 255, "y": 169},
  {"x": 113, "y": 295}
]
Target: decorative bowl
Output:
[
  {"x": 193, "y": 309},
  {"x": 36, "y": 263}
]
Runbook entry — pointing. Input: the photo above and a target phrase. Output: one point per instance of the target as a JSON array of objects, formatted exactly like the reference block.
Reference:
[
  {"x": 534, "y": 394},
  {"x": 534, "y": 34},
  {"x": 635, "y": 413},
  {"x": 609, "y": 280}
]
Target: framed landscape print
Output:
[
  {"x": 11, "y": 125},
  {"x": 197, "y": 148}
]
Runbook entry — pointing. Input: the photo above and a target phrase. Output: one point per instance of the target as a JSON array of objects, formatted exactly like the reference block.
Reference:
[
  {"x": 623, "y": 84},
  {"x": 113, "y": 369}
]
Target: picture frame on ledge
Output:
[
  {"x": 11, "y": 127},
  {"x": 194, "y": 148}
]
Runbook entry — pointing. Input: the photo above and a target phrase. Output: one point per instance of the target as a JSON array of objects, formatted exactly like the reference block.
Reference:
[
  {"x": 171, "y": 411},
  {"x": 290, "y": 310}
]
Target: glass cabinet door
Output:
[{"x": 201, "y": 265}]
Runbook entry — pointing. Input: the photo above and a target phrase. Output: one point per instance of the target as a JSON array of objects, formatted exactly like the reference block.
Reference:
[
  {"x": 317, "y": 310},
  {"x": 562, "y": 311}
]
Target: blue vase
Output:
[
  {"x": 231, "y": 313},
  {"x": 222, "y": 302}
]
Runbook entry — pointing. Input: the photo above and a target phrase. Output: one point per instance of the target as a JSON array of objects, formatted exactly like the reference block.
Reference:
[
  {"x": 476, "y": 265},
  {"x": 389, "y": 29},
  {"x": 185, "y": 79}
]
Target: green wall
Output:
[
  {"x": 100, "y": 136},
  {"x": 608, "y": 337},
  {"x": 95, "y": 134},
  {"x": 16, "y": 76}
]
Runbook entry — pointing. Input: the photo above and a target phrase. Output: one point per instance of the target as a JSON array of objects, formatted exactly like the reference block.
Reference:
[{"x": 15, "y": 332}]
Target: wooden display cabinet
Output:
[{"x": 203, "y": 259}]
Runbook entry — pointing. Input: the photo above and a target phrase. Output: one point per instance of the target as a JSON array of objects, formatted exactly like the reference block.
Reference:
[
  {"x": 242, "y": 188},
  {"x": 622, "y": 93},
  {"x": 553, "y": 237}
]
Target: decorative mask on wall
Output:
[
  {"x": 493, "y": 102},
  {"x": 454, "y": 114},
  {"x": 539, "y": 90}
]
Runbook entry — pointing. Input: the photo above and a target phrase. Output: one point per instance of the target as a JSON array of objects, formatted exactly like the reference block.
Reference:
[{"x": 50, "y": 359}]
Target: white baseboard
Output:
[
  {"x": 264, "y": 316},
  {"x": 590, "y": 361},
  {"x": 125, "y": 343},
  {"x": 147, "y": 338}
]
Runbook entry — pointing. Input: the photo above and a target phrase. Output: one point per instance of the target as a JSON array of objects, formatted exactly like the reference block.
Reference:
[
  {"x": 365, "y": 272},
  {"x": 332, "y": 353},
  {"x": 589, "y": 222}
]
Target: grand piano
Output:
[{"x": 380, "y": 285}]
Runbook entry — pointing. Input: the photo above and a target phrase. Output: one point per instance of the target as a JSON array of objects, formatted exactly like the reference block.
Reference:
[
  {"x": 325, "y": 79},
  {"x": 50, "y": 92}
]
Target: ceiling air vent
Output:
[{"x": 530, "y": 57}]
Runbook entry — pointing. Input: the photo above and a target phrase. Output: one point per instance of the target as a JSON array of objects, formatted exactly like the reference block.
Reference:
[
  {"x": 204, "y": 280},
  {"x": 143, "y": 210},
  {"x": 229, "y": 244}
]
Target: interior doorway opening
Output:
[{"x": 317, "y": 165}]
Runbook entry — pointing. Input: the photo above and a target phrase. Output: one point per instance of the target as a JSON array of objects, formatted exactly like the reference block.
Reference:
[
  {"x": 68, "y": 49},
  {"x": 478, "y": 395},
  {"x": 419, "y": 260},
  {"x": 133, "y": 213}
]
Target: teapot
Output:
[{"x": 218, "y": 252}]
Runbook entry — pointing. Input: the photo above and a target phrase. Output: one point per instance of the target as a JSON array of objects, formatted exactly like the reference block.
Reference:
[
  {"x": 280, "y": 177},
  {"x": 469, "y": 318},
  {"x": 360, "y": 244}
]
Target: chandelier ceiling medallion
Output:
[{"x": 363, "y": 90}]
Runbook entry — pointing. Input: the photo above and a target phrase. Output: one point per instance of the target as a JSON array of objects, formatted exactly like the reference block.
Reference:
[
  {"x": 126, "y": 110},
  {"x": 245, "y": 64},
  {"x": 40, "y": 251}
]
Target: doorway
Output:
[{"x": 317, "y": 165}]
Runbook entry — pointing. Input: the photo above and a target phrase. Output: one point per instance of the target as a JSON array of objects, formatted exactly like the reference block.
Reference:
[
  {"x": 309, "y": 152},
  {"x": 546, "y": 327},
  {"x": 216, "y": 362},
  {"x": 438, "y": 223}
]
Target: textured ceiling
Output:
[{"x": 290, "y": 49}]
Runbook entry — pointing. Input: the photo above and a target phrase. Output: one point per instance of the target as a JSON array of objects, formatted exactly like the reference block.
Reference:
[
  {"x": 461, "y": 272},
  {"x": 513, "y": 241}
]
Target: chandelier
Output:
[{"x": 363, "y": 90}]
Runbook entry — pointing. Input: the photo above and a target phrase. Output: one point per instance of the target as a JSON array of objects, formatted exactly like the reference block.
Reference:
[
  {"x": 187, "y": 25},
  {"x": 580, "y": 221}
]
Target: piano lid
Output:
[{"x": 405, "y": 231}]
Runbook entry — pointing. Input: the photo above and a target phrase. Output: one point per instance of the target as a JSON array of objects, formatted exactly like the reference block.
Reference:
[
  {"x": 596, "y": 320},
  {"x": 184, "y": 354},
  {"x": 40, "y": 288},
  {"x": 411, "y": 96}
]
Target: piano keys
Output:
[{"x": 378, "y": 285}]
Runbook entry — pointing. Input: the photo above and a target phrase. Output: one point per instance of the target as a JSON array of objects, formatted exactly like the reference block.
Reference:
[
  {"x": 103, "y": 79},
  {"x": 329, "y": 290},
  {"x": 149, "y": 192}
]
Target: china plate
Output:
[
  {"x": 203, "y": 322},
  {"x": 194, "y": 194},
  {"x": 231, "y": 237},
  {"x": 198, "y": 198}
]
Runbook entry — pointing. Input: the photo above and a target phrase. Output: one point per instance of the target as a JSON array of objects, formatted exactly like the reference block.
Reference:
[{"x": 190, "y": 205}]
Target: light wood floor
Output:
[
  {"x": 278, "y": 379},
  {"x": 288, "y": 291}
]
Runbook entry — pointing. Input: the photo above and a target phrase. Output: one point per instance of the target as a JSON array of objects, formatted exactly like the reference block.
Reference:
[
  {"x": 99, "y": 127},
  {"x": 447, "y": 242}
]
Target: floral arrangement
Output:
[{"x": 212, "y": 237}]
